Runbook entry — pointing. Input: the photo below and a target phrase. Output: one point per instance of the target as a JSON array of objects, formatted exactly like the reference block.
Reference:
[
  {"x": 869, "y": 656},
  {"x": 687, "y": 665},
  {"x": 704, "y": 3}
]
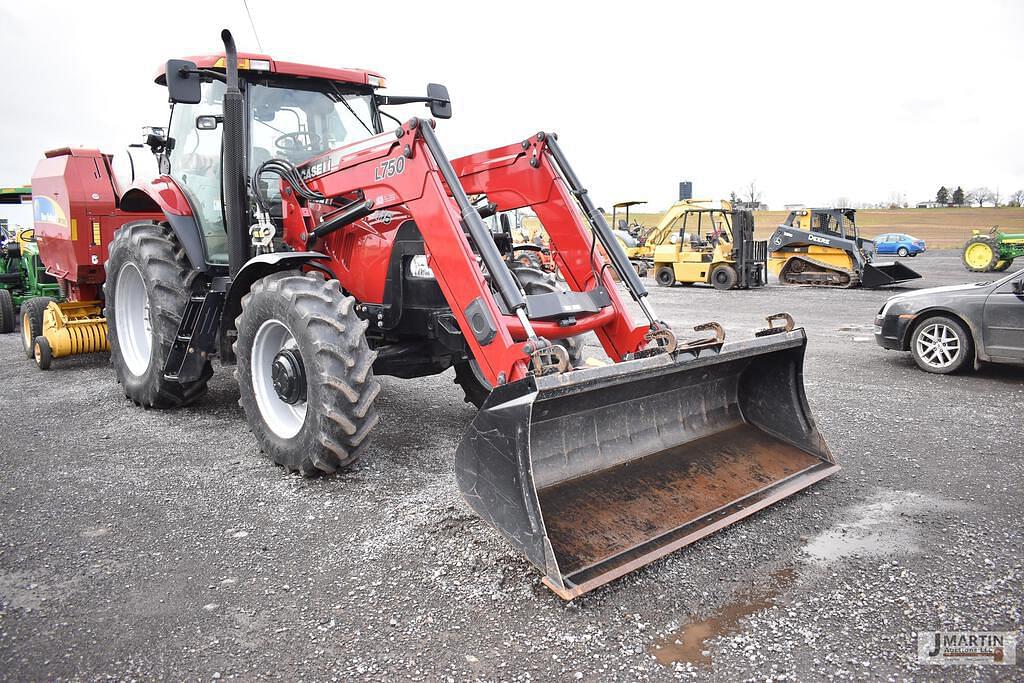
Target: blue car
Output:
[{"x": 898, "y": 243}]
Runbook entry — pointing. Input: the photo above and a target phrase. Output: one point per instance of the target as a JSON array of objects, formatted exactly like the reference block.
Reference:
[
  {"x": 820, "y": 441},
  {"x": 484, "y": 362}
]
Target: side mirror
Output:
[
  {"x": 208, "y": 122},
  {"x": 440, "y": 103},
  {"x": 1018, "y": 287},
  {"x": 183, "y": 84}
]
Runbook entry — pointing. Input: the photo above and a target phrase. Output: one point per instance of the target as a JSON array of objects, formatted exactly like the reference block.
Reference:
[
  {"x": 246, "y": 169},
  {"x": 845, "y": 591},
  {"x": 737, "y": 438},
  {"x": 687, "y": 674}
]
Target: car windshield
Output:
[{"x": 296, "y": 124}]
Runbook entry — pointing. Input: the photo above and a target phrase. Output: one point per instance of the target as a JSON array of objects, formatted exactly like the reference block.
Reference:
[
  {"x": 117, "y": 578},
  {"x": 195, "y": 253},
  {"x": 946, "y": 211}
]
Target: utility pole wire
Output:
[{"x": 253, "y": 25}]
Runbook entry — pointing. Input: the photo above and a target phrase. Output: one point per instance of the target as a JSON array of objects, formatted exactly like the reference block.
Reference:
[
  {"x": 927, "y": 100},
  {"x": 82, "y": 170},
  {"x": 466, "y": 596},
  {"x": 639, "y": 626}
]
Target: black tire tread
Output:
[
  {"x": 336, "y": 434},
  {"x": 7, "y": 314},
  {"x": 995, "y": 254},
  {"x": 163, "y": 263},
  {"x": 34, "y": 309}
]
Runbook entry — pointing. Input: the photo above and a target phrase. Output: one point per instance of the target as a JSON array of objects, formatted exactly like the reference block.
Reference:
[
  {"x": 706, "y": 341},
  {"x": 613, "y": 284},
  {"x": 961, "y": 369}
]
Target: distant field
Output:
[{"x": 940, "y": 228}]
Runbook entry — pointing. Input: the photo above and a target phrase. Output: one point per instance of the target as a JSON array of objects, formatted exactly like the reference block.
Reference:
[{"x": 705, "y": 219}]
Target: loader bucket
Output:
[
  {"x": 882, "y": 273},
  {"x": 594, "y": 473}
]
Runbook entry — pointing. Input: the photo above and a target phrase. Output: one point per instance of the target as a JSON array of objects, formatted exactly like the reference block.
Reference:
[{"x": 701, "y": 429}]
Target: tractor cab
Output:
[{"x": 293, "y": 112}]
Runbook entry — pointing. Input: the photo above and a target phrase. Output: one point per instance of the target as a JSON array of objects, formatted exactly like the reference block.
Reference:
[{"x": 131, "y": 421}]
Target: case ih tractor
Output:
[{"x": 292, "y": 236}]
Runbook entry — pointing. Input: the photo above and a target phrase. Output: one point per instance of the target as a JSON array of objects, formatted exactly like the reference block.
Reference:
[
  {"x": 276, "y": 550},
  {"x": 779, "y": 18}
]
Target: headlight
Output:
[{"x": 419, "y": 268}]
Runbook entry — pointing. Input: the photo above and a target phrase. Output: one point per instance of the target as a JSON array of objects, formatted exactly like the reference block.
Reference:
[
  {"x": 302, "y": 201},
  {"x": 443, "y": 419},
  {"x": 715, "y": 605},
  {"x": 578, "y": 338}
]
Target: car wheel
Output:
[
  {"x": 903, "y": 251},
  {"x": 941, "y": 345}
]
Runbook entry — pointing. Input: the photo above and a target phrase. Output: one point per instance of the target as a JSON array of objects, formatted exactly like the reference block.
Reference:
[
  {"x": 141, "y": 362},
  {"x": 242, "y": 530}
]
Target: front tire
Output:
[
  {"x": 149, "y": 282},
  {"x": 32, "y": 322},
  {"x": 903, "y": 252},
  {"x": 305, "y": 372},
  {"x": 941, "y": 345},
  {"x": 6, "y": 312},
  {"x": 724, "y": 277},
  {"x": 42, "y": 352}
]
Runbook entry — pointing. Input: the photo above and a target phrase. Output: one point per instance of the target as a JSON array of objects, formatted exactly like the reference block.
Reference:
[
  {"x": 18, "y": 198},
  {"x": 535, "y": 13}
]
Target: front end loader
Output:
[
  {"x": 314, "y": 250},
  {"x": 823, "y": 248}
]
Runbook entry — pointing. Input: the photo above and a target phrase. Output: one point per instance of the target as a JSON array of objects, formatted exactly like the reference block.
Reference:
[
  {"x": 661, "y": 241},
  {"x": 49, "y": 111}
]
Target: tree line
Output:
[{"x": 979, "y": 196}]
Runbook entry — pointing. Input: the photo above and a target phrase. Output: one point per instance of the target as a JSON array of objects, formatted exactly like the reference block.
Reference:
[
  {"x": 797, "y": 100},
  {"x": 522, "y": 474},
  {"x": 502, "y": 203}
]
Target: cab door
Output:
[{"x": 1003, "y": 320}]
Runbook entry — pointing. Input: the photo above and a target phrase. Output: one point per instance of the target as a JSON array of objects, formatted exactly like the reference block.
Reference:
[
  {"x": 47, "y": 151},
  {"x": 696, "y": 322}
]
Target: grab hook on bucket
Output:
[
  {"x": 695, "y": 346},
  {"x": 787, "y": 326}
]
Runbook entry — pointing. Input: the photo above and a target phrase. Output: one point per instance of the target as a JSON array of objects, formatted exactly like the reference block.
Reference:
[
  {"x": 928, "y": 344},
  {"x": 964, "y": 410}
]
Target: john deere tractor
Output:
[
  {"x": 992, "y": 252},
  {"x": 24, "y": 283}
]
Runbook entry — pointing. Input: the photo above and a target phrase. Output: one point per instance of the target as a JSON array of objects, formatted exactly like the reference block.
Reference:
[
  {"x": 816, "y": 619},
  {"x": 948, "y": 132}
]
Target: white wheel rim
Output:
[
  {"x": 131, "y": 307},
  {"x": 938, "y": 345},
  {"x": 284, "y": 419}
]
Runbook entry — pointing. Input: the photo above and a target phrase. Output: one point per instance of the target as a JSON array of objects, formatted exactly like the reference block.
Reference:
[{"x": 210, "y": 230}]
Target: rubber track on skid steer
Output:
[{"x": 853, "y": 281}]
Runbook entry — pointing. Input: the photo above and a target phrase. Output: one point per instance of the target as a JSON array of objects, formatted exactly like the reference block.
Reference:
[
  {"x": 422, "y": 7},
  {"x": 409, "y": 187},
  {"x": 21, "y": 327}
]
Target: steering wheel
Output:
[{"x": 293, "y": 142}]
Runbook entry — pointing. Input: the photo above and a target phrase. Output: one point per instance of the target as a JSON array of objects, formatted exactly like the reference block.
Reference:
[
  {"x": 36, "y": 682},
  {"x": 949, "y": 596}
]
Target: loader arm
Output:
[{"x": 407, "y": 169}]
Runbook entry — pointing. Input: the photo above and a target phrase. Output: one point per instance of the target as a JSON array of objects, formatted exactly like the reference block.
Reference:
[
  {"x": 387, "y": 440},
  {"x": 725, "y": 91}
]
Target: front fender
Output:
[{"x": 254, "y": 269}]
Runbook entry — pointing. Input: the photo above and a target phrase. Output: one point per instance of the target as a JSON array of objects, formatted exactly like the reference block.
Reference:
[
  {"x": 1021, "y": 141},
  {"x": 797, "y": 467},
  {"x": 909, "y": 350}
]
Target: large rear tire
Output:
[
  {"x": 305, "y": 372},
  {"x": 149, "y": 282},
  {"x": 980, "y": 254},
  {"x": 32, "y": 322},
  {"x": 7, "y": 314}
]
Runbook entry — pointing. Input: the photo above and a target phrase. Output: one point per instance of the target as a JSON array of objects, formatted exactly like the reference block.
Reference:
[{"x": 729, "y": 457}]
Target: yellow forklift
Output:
[
  {"x": 630, "y": 237},
  {"x": 713, "y": 246}
]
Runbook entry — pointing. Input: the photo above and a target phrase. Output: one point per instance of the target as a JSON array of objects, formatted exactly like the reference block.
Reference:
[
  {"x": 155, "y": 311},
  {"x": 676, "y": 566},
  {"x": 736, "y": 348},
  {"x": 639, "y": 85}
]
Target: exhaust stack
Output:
[{"x": 236, "y": 196}]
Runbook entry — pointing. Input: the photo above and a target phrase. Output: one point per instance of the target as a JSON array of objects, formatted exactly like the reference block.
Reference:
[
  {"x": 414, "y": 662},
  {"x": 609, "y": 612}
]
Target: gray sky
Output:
[{"x": 814, "y": 100}]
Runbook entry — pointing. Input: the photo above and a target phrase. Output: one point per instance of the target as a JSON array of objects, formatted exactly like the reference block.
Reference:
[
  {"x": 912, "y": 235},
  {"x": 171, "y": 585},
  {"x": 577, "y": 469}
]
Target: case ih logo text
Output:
[
  {"x": 317, "y": 169},
  {"x": 389, "y": 168}
]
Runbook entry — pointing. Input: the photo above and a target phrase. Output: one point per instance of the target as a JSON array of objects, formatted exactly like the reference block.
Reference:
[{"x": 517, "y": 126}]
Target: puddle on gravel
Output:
[
  {"x": 689, "y": 643},
  {"x": 882, "y": 526}
]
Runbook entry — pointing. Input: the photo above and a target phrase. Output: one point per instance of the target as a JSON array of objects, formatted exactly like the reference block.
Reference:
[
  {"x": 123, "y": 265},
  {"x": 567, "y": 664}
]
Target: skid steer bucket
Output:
[
  {"x": 596, "y": 472},
  {"x": 882, "y": 273}
]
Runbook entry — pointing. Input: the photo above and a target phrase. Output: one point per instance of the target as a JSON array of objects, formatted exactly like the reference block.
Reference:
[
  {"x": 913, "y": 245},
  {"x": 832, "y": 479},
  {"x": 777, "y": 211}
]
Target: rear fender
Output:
[
  {"x": 256, "y": 268},
  {"x": 164, "y": 195}
]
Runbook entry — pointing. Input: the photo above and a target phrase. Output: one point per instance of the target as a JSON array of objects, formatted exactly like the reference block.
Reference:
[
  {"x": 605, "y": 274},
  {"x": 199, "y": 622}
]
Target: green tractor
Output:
[
  {"x": 995, "y": 251},
  {"x": 24, "y": 283}
]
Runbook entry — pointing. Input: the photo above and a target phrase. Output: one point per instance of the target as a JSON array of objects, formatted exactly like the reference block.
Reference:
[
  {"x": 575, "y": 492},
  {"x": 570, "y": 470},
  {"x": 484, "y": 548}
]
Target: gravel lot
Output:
[{"x": 144, "y": 544}]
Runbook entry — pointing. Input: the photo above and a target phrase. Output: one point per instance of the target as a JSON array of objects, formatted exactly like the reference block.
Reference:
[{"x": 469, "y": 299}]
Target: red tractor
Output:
[{"x": 302, "y": 242}]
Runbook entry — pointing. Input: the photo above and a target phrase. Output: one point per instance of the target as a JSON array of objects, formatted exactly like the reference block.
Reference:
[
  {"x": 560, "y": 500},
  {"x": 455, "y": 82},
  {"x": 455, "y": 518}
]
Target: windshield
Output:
[{"x": 297, "y": 124}]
